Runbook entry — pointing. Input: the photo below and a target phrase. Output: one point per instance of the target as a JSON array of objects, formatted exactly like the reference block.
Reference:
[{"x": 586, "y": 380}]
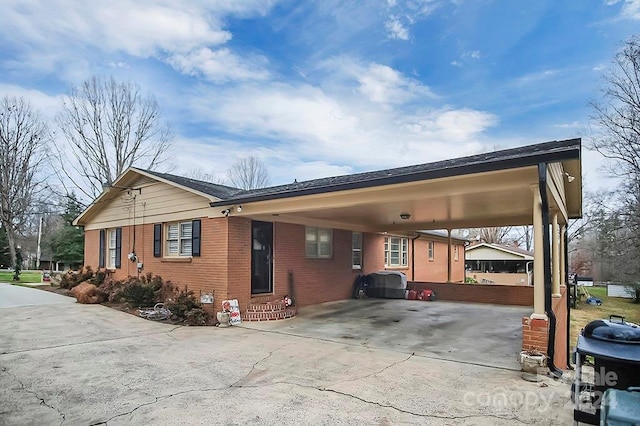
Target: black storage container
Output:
[
  {"x": 614, "y": 346},
  {"x": 387, "y": 285}
]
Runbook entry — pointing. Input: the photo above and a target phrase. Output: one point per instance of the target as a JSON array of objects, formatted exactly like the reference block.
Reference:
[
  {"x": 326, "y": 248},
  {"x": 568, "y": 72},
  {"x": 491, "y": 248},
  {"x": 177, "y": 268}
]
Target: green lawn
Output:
[
  {"x": 584, "y": 313},
  {"x": 25, "y": 277}
]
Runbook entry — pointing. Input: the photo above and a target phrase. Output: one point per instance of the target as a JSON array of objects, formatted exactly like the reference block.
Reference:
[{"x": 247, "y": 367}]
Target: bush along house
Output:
[{"x": 310, "y": 240}]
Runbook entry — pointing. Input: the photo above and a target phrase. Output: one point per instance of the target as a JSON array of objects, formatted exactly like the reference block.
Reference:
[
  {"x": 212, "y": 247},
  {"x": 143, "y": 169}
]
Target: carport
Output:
[{"x": 537, "y": 185}]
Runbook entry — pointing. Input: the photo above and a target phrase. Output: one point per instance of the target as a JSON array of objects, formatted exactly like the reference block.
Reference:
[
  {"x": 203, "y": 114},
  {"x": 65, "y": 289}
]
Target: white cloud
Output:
[
  {"x": 473, "y": 54},
  {"x": 220, "y": 65},
  {"x": 395, "y": 29},
  {"x": 46, "y": 104},
  {"x": 59, "y": 35},
  {"x": 383, "y": 84},
  {"x": 630, "y": 8},
  {"x": 405, "y": 13}
]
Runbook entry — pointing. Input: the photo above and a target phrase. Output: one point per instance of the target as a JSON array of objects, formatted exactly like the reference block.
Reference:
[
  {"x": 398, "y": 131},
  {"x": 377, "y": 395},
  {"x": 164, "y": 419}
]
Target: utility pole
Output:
[{"x": 39, "y": 240}]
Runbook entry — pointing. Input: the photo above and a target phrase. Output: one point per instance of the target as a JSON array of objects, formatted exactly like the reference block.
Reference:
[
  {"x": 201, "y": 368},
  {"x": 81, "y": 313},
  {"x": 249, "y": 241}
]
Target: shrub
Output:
[
  {"x": 185, "y": 308},
  {"x": 197, "y": 316},
  {"x": 138, "y": 294}
]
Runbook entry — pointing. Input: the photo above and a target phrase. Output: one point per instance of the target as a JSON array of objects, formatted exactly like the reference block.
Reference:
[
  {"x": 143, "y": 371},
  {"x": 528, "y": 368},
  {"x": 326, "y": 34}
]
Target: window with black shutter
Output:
[
  {"x": 195, "y": 237},
  {"x": 101, "y": 250},
  {"x": 157, "y": 240}
]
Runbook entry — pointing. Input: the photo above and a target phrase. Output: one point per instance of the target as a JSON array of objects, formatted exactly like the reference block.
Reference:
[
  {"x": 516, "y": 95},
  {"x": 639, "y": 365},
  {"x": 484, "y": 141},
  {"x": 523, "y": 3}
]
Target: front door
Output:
[{"x": 261, "y": 257}]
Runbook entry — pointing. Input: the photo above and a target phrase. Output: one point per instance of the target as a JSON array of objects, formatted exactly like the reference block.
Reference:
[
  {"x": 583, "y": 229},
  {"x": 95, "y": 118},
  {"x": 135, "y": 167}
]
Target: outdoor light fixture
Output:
[
  {"x": 405, "y": 216},
  {"x": 569, "y": 177},
  {"x": 239, "y": 209},
  {"x": 226, "y": 212}
]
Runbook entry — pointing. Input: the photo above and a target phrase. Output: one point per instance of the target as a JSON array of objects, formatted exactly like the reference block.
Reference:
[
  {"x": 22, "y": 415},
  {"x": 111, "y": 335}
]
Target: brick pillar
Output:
[{"x": 535, "y": 334}]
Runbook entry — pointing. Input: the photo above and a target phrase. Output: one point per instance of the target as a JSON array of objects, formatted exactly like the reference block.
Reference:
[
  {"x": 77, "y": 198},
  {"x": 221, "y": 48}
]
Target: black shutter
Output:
[
  {"x": 118, "y": 248},
  {"x": 157, "y": 240},
  {"x": 101, "y": 253},
  {"x": 195, "y": 238}
]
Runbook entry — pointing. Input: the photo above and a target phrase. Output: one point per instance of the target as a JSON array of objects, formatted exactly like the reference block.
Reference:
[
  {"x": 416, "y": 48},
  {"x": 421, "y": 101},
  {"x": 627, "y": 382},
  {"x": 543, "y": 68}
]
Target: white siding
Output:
[
  {"x": 157, "y": 202},
  {"x": 488, "y": 253}
]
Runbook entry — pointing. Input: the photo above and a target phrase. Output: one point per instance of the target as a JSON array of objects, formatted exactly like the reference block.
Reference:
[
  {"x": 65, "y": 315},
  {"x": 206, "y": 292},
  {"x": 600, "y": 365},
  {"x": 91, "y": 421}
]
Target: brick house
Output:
[
  {"x": 167, "y": 222},
  {"x": 320, "y": 234}
]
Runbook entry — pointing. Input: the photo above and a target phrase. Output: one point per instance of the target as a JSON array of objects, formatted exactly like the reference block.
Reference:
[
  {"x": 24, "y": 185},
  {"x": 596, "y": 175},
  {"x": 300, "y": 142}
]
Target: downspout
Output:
[
  {"x": 567, "y": 295},
  {"x": 413, "y": 258},
  {"x": 546, "y": 237}
]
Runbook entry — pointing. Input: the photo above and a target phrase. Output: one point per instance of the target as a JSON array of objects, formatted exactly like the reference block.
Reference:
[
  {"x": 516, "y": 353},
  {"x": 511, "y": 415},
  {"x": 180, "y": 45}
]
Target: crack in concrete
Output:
[
  {"x": 393, "y": 364},
  {"x": 253, "y": 367},
  {"x": 156, "y": 400},
  {"x": 42, "y": 401},
  {"x": 162, "y": 397},
  {"x": 434, "y": 416},
  {"x": 66, "y": 345}
]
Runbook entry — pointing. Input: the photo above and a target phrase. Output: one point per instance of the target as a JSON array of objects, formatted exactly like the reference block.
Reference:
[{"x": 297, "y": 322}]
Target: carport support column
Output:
[
  {"x": 449, "y": 257},
  {"x": 563, "y": 258},
  {"x": 555, "y": 256},
  {"x": 538, "y": 257}
]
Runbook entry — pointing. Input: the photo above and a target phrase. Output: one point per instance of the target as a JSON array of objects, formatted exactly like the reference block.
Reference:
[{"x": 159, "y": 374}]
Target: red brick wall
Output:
[
  {"x": 373, "y": 253},
  {"x": 315, "y": 280},
  {"x": 479, "y": 293},
  {"x": 206, "y": 273},
  {"x": 239, "y": 258},
  {"x": 436, "y": 269},
  {"x": 535, "y": 334}
]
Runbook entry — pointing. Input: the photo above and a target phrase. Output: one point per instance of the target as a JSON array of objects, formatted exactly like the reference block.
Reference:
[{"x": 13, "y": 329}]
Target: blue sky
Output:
[{"x": 318, "y": 88}]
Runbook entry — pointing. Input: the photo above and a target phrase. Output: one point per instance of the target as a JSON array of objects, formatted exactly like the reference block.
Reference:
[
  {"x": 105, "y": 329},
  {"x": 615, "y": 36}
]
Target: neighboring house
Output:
[{"x": 499, "y": 264}]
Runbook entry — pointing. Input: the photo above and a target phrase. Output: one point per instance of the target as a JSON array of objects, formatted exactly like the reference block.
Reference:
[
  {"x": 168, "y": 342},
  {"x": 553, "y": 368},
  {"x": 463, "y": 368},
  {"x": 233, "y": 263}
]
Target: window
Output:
[
  {"x": 111, "y": 248},
  {"x": 179, "y": 241},
  {"x": 356, "y": 250},
  {"x": 431, "y": 250},
  {"x": 395, "y": 251},
  {"x": 455, "y": 252},
  {"x": 318, "y": 242}
]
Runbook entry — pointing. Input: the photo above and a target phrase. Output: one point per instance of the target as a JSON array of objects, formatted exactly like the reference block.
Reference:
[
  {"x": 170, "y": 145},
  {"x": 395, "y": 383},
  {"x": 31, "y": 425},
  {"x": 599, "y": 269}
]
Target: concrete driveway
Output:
[
  {"x": 74, "y": 364},
  {"x": 475, "y": 333},
  {"x": 14, "y": 295}
]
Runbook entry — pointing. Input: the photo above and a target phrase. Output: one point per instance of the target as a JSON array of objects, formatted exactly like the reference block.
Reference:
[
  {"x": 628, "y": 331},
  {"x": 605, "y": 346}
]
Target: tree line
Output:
[{"x": 101, "y": 128}]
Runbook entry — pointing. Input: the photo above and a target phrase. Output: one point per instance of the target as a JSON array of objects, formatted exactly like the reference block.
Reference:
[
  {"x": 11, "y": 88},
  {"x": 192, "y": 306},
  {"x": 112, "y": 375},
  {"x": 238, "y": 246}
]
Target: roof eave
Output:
[{"x": 562, "y": 154}]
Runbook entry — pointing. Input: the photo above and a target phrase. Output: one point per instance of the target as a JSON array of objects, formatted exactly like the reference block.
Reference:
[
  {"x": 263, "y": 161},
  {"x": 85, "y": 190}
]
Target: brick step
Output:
[
  {"x": 266, "y": 307},
  {"x": 267, "y": 313}
]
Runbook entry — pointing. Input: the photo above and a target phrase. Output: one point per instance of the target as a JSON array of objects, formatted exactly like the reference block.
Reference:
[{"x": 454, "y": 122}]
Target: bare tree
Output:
[
  {"x": 617, "y": 115},
  {"x": 200, "y": 174},
  {"x": 23, "y": 136},
  {"x": 109, "y": 126},
  {"x": 248, "y": 173},
  {"x": 616, "y": 118}
]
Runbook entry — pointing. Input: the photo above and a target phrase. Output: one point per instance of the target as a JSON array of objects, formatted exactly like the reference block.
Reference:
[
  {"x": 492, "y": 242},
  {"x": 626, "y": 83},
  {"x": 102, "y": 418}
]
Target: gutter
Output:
[
  {"x": 568, "y": 296},
  {"x": 551, "y": 342}
]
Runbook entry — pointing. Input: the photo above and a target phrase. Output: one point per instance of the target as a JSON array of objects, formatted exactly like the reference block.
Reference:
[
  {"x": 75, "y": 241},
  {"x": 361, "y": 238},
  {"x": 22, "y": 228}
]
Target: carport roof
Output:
[
  {"x": 489, "y": 189},
  {"x": 554, "y": 151}
]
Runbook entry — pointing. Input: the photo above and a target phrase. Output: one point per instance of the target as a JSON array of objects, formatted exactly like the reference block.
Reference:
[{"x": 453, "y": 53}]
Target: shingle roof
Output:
[
  {"x": 498, "y": 160},
  {"x": 219, "y": 191}
]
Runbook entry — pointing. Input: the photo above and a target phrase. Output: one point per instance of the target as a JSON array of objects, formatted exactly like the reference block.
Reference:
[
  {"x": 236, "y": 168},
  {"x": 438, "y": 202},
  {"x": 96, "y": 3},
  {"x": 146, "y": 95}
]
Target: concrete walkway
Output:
[
  {"x": 90, "y": 365},
  {"x": 12, "y": 296}
]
